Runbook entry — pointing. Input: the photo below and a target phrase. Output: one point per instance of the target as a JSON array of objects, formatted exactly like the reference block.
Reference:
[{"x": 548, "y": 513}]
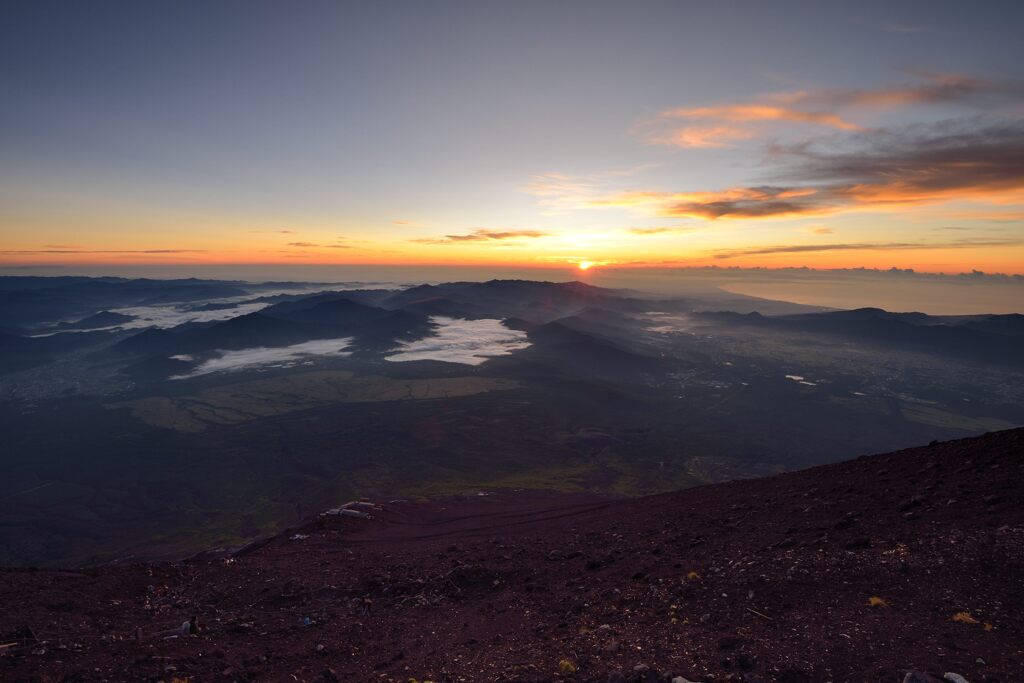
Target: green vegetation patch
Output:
[
  {"x": 244, "y": 401},
  {"x": 935, "y": 417}
]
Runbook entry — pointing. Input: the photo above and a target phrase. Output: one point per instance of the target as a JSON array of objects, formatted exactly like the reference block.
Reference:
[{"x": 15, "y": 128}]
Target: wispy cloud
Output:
[
  {"x": 484, "y": 235},
  {"x": 563, "y": 192},
  {"x": 655, "y": 230},
  {"x": 723, "y": 124},
  {"x": 317, "y": 245},
  {"x": 233, "y": 361},
  {"x": 972, "y": 159}
]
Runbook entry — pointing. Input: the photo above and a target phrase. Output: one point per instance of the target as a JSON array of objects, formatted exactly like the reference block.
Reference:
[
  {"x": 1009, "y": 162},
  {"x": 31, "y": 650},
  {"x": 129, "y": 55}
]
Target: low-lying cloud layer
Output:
[
  {"x": 470, "y": 342},
  {"x": 284, "y": 356},
  {"x": 483, "y": 235}
]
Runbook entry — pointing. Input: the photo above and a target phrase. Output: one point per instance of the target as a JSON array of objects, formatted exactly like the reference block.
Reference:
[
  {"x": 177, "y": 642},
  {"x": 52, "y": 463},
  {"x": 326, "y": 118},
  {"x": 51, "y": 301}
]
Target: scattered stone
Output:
[
  {"x": 910, "y": 503},
  {"x": 918, "y": 677}
]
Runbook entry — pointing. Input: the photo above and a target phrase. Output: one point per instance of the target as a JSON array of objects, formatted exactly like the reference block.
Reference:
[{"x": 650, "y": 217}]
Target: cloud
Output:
[
  {"x": 653, "y": 231},
  {"x": 745, "y": 202},
  {"x": 303, "y": 244},
  {"x": 470, "y": 342},
  {"x": 821, "y": 230},
  {"x": 701, "y": 136},
  {"x": 930, "y": 89},
  {"x": 562, "y": 192},
  {"x": 721, "y": 125},
  {"x": 483, "y": 235},
  {"x": 865, "y": 246},
  {"x": 920, "y": 164},
  {"x": 746, "y": 113},
  {"x": 286, "y": 232},
  {"x": 233, "y": 361},
  {"x": 973, "y": 159}
]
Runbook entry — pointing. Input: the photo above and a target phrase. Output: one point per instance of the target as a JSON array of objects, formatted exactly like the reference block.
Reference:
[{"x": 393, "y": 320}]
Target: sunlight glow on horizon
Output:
[{"x": 328, "y": 148}]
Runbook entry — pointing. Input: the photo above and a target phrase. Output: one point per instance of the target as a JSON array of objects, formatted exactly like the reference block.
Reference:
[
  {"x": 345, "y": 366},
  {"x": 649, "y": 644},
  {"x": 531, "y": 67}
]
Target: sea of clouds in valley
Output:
[
  {"x": 470, "y": 342},
  {"x": 283, "y": 356}
]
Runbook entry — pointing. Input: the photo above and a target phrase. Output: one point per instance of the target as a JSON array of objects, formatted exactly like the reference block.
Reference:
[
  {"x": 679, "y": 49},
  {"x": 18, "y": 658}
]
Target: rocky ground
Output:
[{"x": 878, "y": 569}]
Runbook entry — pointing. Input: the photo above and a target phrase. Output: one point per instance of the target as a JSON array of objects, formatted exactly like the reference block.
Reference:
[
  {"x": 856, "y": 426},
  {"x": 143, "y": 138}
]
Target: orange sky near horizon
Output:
[{"x": 306, "y": 139}]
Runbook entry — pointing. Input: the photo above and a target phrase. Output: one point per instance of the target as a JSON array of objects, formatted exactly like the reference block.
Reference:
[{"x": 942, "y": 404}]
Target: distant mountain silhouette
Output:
[
  {"x": 971, "y": 337},
  {"x": 538, "y": 302},
  {"x": 97, "y": 320},
  {"x": 246, "y": 331},
  {"x": 371, "y": 326},
  {"x": 20, "y": 353},
  {"x": 31, "y": 301},
  {"x": 567, "y": 350}
]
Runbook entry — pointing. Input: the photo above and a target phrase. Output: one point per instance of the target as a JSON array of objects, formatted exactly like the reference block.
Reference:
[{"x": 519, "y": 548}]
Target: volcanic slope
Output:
[{"x": 859, "y": 571}]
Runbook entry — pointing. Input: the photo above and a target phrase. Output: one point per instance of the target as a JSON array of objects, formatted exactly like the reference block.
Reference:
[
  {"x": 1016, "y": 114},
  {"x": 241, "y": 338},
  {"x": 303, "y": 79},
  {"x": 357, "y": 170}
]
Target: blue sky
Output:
[{"x": 242, "y": 131}]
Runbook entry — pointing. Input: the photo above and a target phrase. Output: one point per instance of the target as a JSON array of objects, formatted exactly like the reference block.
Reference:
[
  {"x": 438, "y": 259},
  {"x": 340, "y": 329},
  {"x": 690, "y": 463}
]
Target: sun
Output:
[{"x": 585, "y": 265}]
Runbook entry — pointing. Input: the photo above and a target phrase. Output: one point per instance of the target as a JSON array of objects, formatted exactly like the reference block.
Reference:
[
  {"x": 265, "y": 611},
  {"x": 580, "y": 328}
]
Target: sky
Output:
[{"x": 525, "y": 134}]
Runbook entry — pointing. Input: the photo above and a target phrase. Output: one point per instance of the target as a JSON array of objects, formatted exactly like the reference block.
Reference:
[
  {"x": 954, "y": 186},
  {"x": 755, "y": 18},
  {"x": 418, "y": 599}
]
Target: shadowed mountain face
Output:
[
  {"x": 877, "y": 566},
  {"x": 98, "y": 320},
  {"x": 21, "y": 353},
  {"x": 372, "y": 326},
  {"x": 282, "y": 325},
  {"x": 30, "y": 301},
  {"x": 538, "y": 302},
  {"x": 994, "y": 338},
  {"x": 567, "y": 350}
]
